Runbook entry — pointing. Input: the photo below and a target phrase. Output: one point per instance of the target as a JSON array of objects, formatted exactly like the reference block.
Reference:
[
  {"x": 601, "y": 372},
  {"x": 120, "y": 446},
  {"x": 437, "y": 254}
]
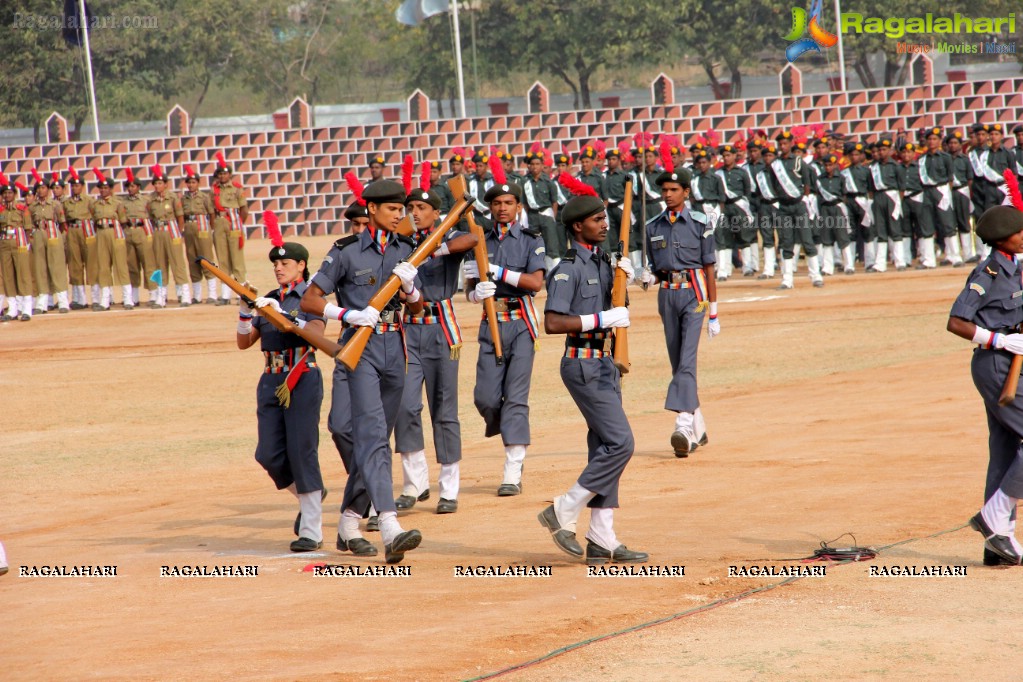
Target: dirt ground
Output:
[{"x": 129, "y": 438}]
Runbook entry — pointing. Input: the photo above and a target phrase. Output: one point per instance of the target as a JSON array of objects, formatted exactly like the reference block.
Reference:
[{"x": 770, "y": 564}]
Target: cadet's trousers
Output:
[
  {"x": 228, "y": 244},
  {"x": 942, "y": 219},
  {"x": 767, "y": 214},
  {"x": 614, "y": 227},
  {"x": 682, "y": 326},
  {"x": 1005, "y": 424},
  {"x": 289, "y": 437},
  {"x": 197, "y": 243},
  {"x": 885, "y": 226},
  {"x": 141, "y": 260},
  {"x": 739, "y": 226},
  {"x": 794, "y": 227},
  {"x": 167, "y": 250},
  {"x": 961, "y": 210},
  {"x": 16, "y": 269},
  {"x": 502, "y": 391},
  {"x": 339, "y": 419},
  {"x": 595, "y": 386},
  {"x": 915, "y": 212},
  {"x": 49, "y": 265},
  {"x": 834, "y": 222},
  {"x": 429, "y": 363},
  {"x": 375, "y": 387},
  {"x": 77, "y": 247},
  {"x": 111, "y": 258}
]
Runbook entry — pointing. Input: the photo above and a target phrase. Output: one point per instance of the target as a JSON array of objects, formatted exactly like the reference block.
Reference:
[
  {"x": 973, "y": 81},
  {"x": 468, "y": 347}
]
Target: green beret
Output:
[
  {"x": 384, "y": 192},
  {"x": 292, "y": 250},
  {"x": 580, "y": 208},
  {"x": 500, "y": 190},
  {"x": 681, "y": 176},
  {"x": 424, "y": 196},
  {"x": 999, "y": 222}
]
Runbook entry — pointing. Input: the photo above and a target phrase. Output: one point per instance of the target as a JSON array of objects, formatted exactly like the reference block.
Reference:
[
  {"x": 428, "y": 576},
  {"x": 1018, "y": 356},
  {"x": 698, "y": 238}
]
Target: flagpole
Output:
[
  {"x": 458, "y": 58},
  {"x": 841, "y": 52},
  {"x": 88, "y": 61}
]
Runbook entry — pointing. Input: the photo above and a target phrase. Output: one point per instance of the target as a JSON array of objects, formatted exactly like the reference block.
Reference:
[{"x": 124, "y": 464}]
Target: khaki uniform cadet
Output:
[
  {"x": 936, "y": 174},
  {"x": 540, "y": 198},
  {"x": 681, "y": 252},
  {"x": 614, "y": 193},
  {"x": 49, "y": 263},
  {"x": 791, "y": 177},
  {"x": 962, "y": 177},
  {"x": 165, "y": 212},
  {"x": 736, "y": 209},
  {"x": 833, "y": 215},
  {"x": 231, "y": 212},
  {"x": 111, "y": 252},
  {"x": 138, "y": 237},
  {"x": 198, "y": 208},
  {"x": 517, "y": 270},
  {"x": 433, "y": 340},
  {"x": 81, "y": 236},
  {"x": 579, "y": 306},
  {"x": 989, "y": 312},
  {"x": 15, "y": 263}
]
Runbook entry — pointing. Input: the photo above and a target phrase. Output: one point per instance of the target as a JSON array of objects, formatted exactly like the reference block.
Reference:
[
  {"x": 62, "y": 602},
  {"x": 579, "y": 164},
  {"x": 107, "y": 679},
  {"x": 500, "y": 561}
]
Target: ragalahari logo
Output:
[{"x": 818, "y": 37}]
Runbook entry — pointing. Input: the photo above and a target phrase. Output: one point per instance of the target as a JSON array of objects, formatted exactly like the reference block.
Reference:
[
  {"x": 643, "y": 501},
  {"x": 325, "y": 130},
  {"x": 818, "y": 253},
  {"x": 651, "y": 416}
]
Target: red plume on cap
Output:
[
  {"x": 73, "y": 173},
  {"x": 601, "y": 149},
  {"x": 56, "y": 176},
  {"x": 817, "y": 131},
  {"x": 497, "y": 170},
  {"x": 39, "y": 178},
  {"x": 576, "y": 187},
  {"x": 24, "y": 190},
  {"x": 130, "y": 175},
  {"x": 4, "y": 181},
  {"x": 1012, "y": 185},
  {"x": 98, "y": 174},
  {"x": 643, "y": 140},
  {"x": 799, "y": 134},
  {"x": 625, "y": 152},
  {"x": 188, "y": 171},
  {"x": 713, "y": 138},
  {"x": 669, "y": 165},
  {"x": 424, "y": 176},
  {"x": 537, "y": 147},
  {"x": 221, "y": 163},
  {"x": 273, "y": 229},
  {"x": 156, "y": 171},
  {"x": 460, "y": 152},
  {"x": 408, "y": 166},
  {"x": 355, "y": 186}
]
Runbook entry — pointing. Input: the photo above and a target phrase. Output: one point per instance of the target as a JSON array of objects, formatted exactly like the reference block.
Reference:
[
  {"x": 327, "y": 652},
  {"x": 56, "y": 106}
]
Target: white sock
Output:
[
  {"x": 95, "y": 293},
  {"x": 12, "y": 305},
  {"x": 747, "y": 259},
  {"x": 197, "y": 291},
  {"x": 126, "y": 295},
  {"x": 881, "y": 257},
  {"x": 927, "y": 256},
  {"x": 3, "y": 556},
  {"x": 684, "y": 422},
  {"x": 26, "y": 305},
  {"x": 997, "y": 512},
  {"x": 601, "y": 529},
  {"x": 225, "y": 292},
  {"x": 348, "y": 525},
  {"x": 62, "y": 301},
  {"x": 310, "y": 506},
  {"x": 952, "y": 250},
  {"x": 389, "y": 527},
  {"x": 105, "y": 297},
  {"x": 754, "y": 250},
  {"x": 814, "y": 268},
  {"x": 416, "y": 472},
  {"x": 567, "y": 507},
  {"x": 770, "y": 261},
  {"x": 41, "y": 302},
  {"x": 788, "y": 268},
  {"x": 449, "y": 481},
  {"x": 967, "y": 244},
  {"x": 514, "y": 456},
  {"x": 848, "y": 262},
  {"x": 700, "y": 429},
  {"x": 211, "y": 287}
]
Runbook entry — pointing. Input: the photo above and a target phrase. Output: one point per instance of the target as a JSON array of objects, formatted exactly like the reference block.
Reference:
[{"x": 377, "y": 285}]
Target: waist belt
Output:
[
  {"x": 10, "y": 232},
  {"x": 674, "y": 279},
  {"x": 136, "y": 222},
  {"x": 281, "y": 361},
  {"x": 853, "y": 196},
  {"x": 588, "y": 345},
  {"x": 790, "y": 202},
  {"x": 431, "y": 314},
  {"x": 908, "y": 195},
  {"x": 164, "y": 223},
  {"x": 830, "y": 203},
  {"x": 106, "y": 223},
  {"x": 390, "y": 321},
  {"x": 507, "y": 305}
]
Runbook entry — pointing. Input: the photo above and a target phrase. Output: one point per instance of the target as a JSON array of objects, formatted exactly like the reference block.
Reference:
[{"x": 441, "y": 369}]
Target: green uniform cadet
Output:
[
  {"x": 138, "y": 238},
  {"x": 833, "y": 218},
  {"x": 614, "y": 194},
  {"x": 231, "y": 212},
  {"x": 791, "y": 178},
  {"x": 737, "y": 211},
  {"x": 936, "y": 175},
  {"x": 198, "y": 233},
  {"x": 109, "y": 218},
  {"x": 49, "y": 262},
  {"x": 15, "y": 264},
  {"x": 81, "y": 236},
  {"x": 887, "y": 182},
  {"x": 540, "y": 201},
  {"x": 166, "y": 213},
  {"x": 962, "y": 177},
  {"x": 916, "y": 220}
]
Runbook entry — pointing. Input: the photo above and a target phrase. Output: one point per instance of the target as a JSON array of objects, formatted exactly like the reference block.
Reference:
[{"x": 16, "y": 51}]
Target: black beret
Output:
[
  {"x": 884, "y": 142},
  {"x": 376, "y": 158},
  {"x": 588, "y": 152},
  {"x": 999, "y": 222},
  {"x": 480, "y": 157},
  {"x": 978, "y": 127},
  {"x": 57, "y": 181},
  {"x": 561, "y": 158},
  {"x": 1018, "y": 128},
  {"x": 851, "y": 147},
  {"x": 769, "y": 148},
  {"x": 907, "y": 147},
  {"x": 384, "y": 192},
  {"x": 501, "y": 190},
  {"x": 292, "y": 250},
  {"x": 955, "y": 135},
  {"x": 580, "y": 208},
  {"x": 533, "y": 155},
  {"x": 933, "y": 131},
  {"x": 728, "y": 148},
  {"x": 614, "y": 152},
  {"x": 108, "y": 182},
  {"x": 8, "y": 187},
  {"x": 995, "y": 127},
  {"x": 356, "y": 210},
  {"x": 830, "y": 158},
  {"x": 783, "y": 135},
  {"x": 680, "y": 175},
  {"x": 423, "y": 196}
]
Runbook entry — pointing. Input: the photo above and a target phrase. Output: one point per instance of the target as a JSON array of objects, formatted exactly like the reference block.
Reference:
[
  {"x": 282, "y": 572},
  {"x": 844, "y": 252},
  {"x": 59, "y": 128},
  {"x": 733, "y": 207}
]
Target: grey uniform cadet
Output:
[{"x": 353, "y": 270}]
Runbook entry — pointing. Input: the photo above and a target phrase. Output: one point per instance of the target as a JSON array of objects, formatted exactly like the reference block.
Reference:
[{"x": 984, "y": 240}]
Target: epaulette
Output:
[
  {"x": 346, "y": 241},
  {"x": 531, "y": 231},
  {"x": 408, "y": 240},
  {"x": 698, "y": 216},
  {"x": 569, "y": 256}
]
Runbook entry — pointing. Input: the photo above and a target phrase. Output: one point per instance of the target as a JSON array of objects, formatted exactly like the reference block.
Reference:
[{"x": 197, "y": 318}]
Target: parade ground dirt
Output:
[{"x": 129, "y": 438}]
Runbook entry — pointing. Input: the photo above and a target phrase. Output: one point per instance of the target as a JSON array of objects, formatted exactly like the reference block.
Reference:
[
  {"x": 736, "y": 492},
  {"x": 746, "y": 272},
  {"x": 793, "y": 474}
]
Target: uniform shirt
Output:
[
  {"x": 614, "y": 186},
  {"x": 594, "y": 179},
  {"x": 797, "y": 170},
  {"x": 443, "y": 192},
  {"x": 544, "y": 192},
  {"x": 993, "y": 296},
  {"x": 165, "y": 207},
  {"x": 478, "y": 189},
  {"x": 709, "y": 187},
  {"x": 1000, "y": 159},
  {"x": 737, "y": 181},
  {"x": 15, "y": 215},
  {"x": 938, "y": 167},
  {"x": 580, "y": 284},
  {"x": 136, "y": 207},
  {"x": 354, "y": 268},
  {"x": 42, "y": 211},
  {"x": 912, "y": 182},
  {"x": 649, "y": 191},
  {"x": 521, "y": 250},
  {"x": 860, "y": 175},
  {"x": 110, "y": 208},
  {"x": 78, "y": 208},
  {"x": 686, "y": 244},
  {"x": 438, "y": 276},
  {"x": 833, "y": 185},
  {"x": 892, "y": 174},
  {"x": 962, "y": 170},
  {"x": 231, "y": 196},
  {"x": 199, "y": 203},
  {"x": 289, "y": 296}
]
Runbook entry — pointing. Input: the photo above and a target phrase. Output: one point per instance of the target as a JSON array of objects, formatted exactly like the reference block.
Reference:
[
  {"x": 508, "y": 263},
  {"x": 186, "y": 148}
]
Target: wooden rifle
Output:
[
  {"x": 483, "y": 265},
  {"x": 621, "y": 283}
]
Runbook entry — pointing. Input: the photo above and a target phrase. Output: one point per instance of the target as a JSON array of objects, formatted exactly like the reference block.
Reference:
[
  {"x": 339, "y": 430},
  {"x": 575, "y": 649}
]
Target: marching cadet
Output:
[
  {"x": 980, "y": 188},
  {"x": 165, "y": 214},
  {"x": 767, "y": 214},
  {"x": 456, "y": 163},
  {"x": 480, "y": 180},
  {"x": 614, "y": 194},
  {"x": 834, "y": 217},
  {"x": 916, "y": 218},
  {"x": 49, "y": 263},
  {"x": 198, "y": 210},
  {"x": 111, "y": 252},
  {"x": 508, "y": 163},
  {"x": 681, "y": 252},
  {"x": 138, "y": 237},
  {"x": 540, "y": 196},
  {"x": 588, "y": 172},
  {"x": 707, "y": 197},
  {"x": 290, "y": 389},
  {"x": 354, "y": 268},
  {"x": 987, "y": 312},
  {"x": 579, "y": 306},
  {"x": 376, "y": 168},
  {"x": 791, "y": 177},
  {"x": 231, "y": 212},
  {"x": 517, "y": 269},
  {"x": 857, "y": 200},
  {"x": 748, "y": 159},
  {"x": 15, "y": 263},
  {"x": 962, "y": 178},
  {"x": 646, "y": 190},
  {"x": 887, "y": 185},
  {"x": 936, "y": 175},
  {"x": 357, "y": 217},
  {"x": 439, "y": 188},
  {"x": 1017, "y": 150},
  {"x": 998, "y": 161},
  {"x": 81, "y": 236},
  {"x": 558, "y": 244},
  {"x": 737, "y": 215},
  {"x": 433, "y": 341}
]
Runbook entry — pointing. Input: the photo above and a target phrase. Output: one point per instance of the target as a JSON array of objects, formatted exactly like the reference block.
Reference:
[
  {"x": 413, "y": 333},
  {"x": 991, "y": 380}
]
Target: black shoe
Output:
[
  {"x": 5, "y": 318},
  {"x": 447, "y": 506},
  {"x": 973, "y": 259},
  {"x": 564, "y": 539},
  {"x": 223, "y": 301},
  {"x": 509, "y": 489},
  {"x": 25, "y": 317},
  {"x": 63, "y": 311},
  {"x": 998, "y": 544},
  {"x": 97, "y": 307},
  {"x": 681, "y": 444},
  {"x": 373, "y": 524},
  {"x": 210, "y": 301},
  {"x": 305, "y": 545},
  {"x": 992, "y": 559},
  {"x": 357, "y": 546},
  {"x": 78, "y": 306},
  {"x": 597, "y": 555},
  {"x": 298, "y": 519},
  {"x": 407, "y": 501},
  {"x": 404, "y": 542},
  {"x": 703, "y": 439}
]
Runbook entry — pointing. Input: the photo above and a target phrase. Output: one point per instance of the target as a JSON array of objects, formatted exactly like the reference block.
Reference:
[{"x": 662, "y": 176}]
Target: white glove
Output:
[
  {"x": 626, "y": 265},
  {"x": 1011, "y": 342},
  {"x": 647, "y": 277},
  {"x": 263, "y": 302},
  {"x": 243, "y": 307},
  {"x": 615, "y": 317},
  {"x": 483, "y": 290},
  {"x": 470, "y": 270},
  {"x": 406, "y": 272},
  {"x": 367, "y": 317},
  {"x": 713, "y": 328}
]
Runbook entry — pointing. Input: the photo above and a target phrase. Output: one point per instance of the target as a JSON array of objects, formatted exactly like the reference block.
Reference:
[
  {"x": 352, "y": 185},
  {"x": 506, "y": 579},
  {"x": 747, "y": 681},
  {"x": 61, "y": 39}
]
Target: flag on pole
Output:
[
  {"x": 74, "y": 22},
  {"x": 414, "y": 12}
]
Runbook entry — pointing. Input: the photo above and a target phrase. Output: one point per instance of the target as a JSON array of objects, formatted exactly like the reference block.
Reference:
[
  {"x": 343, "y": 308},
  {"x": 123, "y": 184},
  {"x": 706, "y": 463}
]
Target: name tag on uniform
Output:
[
  {"x": 658, "y": 238},
  {"x": 363, "y": 272},
  {"x": 597, "y": 281},
  {"x": 1017, "y": 294}
]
